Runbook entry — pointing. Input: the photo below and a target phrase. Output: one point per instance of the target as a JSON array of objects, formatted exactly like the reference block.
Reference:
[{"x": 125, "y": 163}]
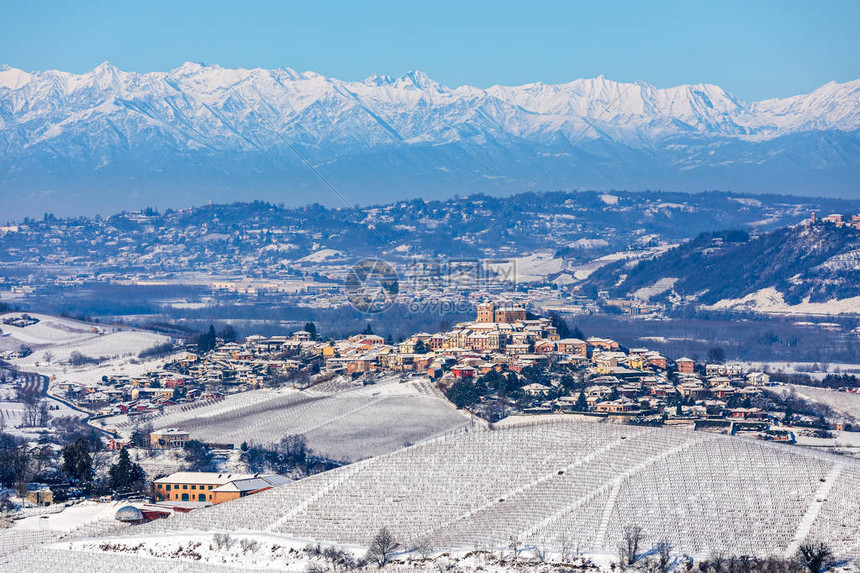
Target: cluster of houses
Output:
[
  {"x": 503, "y": 337},
  {"x": 194, "y": 377},
  {"x": 838, "y": 220},
  {"x": 615, "y": 381}
]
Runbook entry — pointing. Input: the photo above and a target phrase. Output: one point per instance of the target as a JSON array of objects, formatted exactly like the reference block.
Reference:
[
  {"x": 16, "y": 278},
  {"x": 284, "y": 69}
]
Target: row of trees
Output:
[
  {"x": 125, "y": 476},
  {"x": 75, "y": 466},
  {"x": 206, "y": 341},
  {"x": 291, "y": 455},
  {"x": 465, "y": 393},
  {"x": 811, "y": 557}
]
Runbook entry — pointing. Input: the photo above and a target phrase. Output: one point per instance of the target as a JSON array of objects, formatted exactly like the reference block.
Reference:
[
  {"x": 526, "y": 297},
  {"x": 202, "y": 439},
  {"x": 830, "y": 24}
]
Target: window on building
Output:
[
  {"x": 185, "y": 486},
  {"x": 184, "y": 497},
  {"x": 201, "y": 497},
  {"x": 167, "y": 487}
]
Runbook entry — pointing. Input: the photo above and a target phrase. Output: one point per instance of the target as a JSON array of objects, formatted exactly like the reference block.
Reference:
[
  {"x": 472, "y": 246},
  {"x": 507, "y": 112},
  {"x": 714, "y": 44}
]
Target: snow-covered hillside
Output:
[
  {"x": 53, "y": 339},
  {"x": 341, "y": 424},
  {"x": 109, "y": 124},
  {"x": 549, "y": 486}
]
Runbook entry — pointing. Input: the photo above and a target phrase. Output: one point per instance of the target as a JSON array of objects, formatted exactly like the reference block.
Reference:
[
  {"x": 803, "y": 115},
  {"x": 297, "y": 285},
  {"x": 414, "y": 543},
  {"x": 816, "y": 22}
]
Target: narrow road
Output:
[{"x": 46, "y": 383}]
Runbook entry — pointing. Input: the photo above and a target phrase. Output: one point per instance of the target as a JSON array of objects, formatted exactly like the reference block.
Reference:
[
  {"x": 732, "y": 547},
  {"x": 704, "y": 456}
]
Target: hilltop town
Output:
[{"x": 505, "y": 362}]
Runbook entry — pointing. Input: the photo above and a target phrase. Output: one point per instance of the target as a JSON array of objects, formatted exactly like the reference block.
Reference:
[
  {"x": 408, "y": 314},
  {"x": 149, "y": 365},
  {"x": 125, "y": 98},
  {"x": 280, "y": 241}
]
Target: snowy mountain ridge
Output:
[
  {"x": 121, "y": 125},
  {"x": 206, "y": 93}
]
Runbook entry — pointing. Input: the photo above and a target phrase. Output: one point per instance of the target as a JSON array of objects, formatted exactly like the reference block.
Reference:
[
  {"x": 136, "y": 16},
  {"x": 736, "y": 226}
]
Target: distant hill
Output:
[{"x": 790, "y": 266}]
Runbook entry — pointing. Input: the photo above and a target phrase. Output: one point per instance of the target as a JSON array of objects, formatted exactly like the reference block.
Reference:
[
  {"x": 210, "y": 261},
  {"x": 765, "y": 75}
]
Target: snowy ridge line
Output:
[
  {"x": 805, "y": 525},
  {"x": 193, "y": 105}
]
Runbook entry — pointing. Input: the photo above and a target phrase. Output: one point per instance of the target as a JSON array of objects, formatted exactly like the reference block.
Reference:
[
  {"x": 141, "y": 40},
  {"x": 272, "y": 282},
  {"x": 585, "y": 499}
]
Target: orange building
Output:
[
  {"x": 685, "y": 365},
  {"x": 213, "y": 487}
]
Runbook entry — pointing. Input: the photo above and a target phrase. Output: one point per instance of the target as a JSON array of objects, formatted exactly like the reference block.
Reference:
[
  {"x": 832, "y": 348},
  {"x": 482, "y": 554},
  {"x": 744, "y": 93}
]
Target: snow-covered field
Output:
[
  {"x": 53, "y": 339},
  {"x": 769, "y": 300},
  {"x": 843, "y": 402},
  {"x": 583, "y": 271},
  {"x": 659, "y": 287},
  {"x": 71, "y": 517},
  {"x": 536, "y": 266},
  {"x": 340, "y": 424}
]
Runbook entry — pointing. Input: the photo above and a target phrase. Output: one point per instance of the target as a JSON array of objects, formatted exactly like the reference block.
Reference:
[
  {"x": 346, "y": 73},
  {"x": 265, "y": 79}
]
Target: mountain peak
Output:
[
  {"x": 418, "y": 79},
  {"x": 104, "y": 67},
  {"x": 12, "y": 78},
  {"x": 378, "y": 80},
  {"x": 193, "y": 67}
]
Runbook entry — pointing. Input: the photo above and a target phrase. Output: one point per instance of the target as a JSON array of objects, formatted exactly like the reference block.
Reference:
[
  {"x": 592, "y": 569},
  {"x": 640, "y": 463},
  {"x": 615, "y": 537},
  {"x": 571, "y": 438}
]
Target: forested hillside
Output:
[{"x": 816, "y": 263}]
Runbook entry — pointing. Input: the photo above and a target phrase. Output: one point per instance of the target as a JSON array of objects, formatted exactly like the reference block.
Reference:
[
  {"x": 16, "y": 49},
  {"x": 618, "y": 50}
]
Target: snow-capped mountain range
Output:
[{"x": 202, "y": 132}]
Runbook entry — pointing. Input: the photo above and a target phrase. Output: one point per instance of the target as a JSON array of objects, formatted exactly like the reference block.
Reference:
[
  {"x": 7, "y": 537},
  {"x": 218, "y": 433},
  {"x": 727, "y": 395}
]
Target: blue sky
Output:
[{"x": 755, "y": 49}]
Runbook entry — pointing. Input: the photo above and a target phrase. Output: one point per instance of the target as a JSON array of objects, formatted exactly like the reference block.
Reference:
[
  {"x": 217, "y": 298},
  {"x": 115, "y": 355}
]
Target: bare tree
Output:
[
  {"x": 715, "y": 563},
  {"x": 222, "y": 540},
  {"x": 382, "y": 547},
  {"x": 424, "y": 550},
  {"x": 664, "y": 556},
  {"x": 565, "y": 544},
  {"x": 814, "y": 556},
  {"x": 43, "y": 414},
  {"x": 514, "y": 546},
  {"x": 631, "y": 536}
]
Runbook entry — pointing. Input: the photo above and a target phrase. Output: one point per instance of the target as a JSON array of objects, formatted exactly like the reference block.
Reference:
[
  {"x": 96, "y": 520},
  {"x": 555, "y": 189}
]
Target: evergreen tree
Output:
[
  {"x": 199, "y": 457},
  {"x": 125, "y": 475},
  {"x": 581, "y": 402},
  {"x": 560, "y": 324},
  {"x": 228, "y": 334},
  {"x": 312, "y": 329},
  {"x": 568, "y": 382},
  {"x": 206, "y": 341},
  {"x": 77, "y": 462}
]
